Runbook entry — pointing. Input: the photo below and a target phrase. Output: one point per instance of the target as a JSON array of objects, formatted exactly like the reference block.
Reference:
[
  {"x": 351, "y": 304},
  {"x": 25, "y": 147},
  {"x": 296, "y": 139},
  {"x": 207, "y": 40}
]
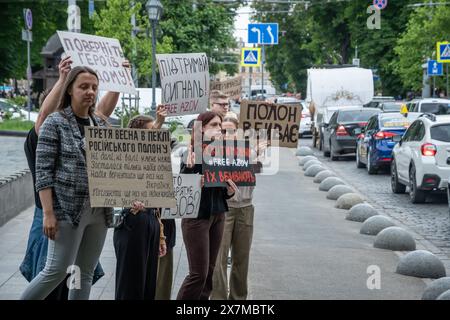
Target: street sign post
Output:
[
  {"x": 380, "y": 4},
  {"x": 28, "y": 17},
  {"x": 251, "y": 57},
  {"x": 443, "y": 56},
  {"x": 434, "y": 68},
  {"x": 263, "y": 33},
  {"x": 443, "y": 52},
  {"x": 27, "y": 36}
]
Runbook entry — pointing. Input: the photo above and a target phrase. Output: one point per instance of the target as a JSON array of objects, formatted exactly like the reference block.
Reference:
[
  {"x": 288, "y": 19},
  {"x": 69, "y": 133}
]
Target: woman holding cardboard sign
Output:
[
  {"x": 202, "y": 236},
  {"x": 76, "y": 231},
  {"x": 139, "y": 240}
]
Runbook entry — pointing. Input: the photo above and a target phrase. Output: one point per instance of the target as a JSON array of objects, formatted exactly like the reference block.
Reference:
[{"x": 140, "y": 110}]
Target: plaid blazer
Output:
[{"x": 61, "y": 165}]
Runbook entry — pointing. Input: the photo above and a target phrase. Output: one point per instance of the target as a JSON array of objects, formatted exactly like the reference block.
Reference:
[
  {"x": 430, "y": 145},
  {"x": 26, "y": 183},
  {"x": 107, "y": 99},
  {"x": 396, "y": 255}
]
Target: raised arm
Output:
[{"x": 108, "y": 103}]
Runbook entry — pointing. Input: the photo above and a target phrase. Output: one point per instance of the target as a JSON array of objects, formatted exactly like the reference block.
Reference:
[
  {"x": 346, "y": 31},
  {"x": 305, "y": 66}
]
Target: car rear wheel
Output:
[
  {"x": 359, "y": 164},
  {"x": 333, "y": 156},
  {"x": 416, "y": 195},
  {"x": 371, "y": 169},
  {"x": 396, "y": 186},
  {"x": 325, "y": 152}
]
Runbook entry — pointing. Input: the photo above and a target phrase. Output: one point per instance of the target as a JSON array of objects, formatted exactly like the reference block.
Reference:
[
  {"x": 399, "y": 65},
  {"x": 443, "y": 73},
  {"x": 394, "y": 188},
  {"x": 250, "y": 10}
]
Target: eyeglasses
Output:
[{"x": 223, "y": 105}]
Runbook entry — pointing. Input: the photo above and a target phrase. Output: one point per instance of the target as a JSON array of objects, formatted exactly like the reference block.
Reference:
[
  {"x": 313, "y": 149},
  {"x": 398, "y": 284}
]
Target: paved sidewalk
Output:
[{"x": 303, "y": 248}]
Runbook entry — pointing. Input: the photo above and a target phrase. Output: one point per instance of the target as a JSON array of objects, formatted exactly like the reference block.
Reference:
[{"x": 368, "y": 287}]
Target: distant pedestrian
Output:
[{"x": 219, "y": 103}]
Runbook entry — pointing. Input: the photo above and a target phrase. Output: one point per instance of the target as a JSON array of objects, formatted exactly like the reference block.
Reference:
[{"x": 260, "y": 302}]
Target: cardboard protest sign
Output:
[
  {"x": 286, "y": 118},
  {"x": 228, "y": 159},
  {"x": 231, "y": 87},
  {"x": 104, "y": 55},
  {"x": 188, "y": 189},
  {"x": 184, "y": 82},
  {"x": 129, "y": 164}
]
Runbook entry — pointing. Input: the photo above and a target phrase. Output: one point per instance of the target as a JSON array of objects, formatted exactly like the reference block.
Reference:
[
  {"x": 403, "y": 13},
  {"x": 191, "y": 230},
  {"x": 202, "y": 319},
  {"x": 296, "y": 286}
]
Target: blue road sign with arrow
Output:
[
  {"x": 263, "y": 33},
  {"x": 435, "y": 68}
]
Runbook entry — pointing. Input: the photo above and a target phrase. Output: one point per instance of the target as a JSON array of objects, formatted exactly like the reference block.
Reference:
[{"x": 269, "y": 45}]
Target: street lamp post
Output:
[{"x": 154, "y": 10}]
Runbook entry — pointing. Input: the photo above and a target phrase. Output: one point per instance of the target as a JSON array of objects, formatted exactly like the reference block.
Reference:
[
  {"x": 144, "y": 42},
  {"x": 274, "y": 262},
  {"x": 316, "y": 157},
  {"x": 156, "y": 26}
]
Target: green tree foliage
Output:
[
  {"x": 48, "y": 16},
  {"x": 425, "y": 28},
  {"x": 201, "y": 26},
  {"x": 114, "y": 21},
  {"x": 327, "y": 33}
]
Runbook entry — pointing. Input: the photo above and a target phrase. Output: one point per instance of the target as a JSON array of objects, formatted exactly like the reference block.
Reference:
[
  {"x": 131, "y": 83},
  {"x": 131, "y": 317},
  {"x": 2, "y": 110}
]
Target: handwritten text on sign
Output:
[
  {"x": 262, "y": 115},
  {"x": 228, "y": 159},
  {"x": 104, "y": 55},
  {"x": 129, "y": 164},
  {"x": 231, "y": 87},
  {"x": 188, "y": 191},
  {"x": 184, "y": 82}
]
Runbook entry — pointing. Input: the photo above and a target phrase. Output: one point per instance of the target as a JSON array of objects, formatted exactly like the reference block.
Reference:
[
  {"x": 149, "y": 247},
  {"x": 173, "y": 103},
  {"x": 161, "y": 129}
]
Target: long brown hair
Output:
[{"x": 65, "y": 99}]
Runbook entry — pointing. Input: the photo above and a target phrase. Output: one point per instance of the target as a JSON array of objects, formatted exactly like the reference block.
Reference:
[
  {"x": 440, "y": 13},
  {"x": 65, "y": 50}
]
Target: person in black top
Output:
[{"x": 203, "y": 235}]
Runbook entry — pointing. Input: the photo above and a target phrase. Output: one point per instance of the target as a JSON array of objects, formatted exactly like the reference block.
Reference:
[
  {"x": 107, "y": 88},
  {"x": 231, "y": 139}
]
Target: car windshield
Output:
[
  {"x": 392, "y": 106},
  {"x": 435, "y": 108},
  {"x": 355, "y": 115},
  {"x": 441, "y": 132}
]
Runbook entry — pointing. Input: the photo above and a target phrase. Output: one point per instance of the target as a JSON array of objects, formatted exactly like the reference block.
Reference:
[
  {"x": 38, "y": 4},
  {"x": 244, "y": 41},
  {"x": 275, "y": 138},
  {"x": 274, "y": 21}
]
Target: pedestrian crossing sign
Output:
[
  {"x": 251, "y": 57},
  {"x": 443, "y": 52}
]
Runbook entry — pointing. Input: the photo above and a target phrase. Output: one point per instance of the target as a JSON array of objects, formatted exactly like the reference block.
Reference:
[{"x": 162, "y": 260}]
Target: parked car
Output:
[
  {"x": 322, "y": 118},
  {"x": 430, "y": 105},
  {"x": 6, "y": 106},
  {"x": 339, "y": 136},
  {"x": 377, "y": 100},
  {"x": 305, "y": 122},
  {"x": 391, "y": 106},
  {"x": 421, "y": 160},
  {"x": 377, "y": 139}
]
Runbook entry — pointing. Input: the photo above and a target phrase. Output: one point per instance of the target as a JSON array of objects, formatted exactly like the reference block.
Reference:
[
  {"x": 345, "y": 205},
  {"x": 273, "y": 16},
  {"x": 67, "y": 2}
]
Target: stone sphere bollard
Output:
[
  {"x": 444, "y": 296},
  {"x": 421, "y": 264},
  {"x": 310, "y": 163},
  {"x": 347, "y": 201},
  {"x": 436, "y": 288},
  {"x": 323, "y": 175},
  {"x": 361, "y": 212},
  {"x": 304, "y": 151},
  {"x": 329, "y": 183},
  {"x": 304, "y": 160},
  {"x": 396, "y": 239},
  {"x": 337, "y": 191},
  {"x": 312, "y": 171},
  {"x": 374, "y": 225}
]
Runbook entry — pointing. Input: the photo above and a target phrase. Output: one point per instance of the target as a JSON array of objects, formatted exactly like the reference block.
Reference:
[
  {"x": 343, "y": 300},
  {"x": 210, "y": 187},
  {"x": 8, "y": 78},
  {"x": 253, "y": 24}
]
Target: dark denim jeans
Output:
[{"x": 36, "y": 254}]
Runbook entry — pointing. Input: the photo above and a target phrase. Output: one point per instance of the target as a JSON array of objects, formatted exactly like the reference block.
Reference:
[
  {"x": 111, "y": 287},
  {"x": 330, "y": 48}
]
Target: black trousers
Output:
[{"x": 136, "y": 244}]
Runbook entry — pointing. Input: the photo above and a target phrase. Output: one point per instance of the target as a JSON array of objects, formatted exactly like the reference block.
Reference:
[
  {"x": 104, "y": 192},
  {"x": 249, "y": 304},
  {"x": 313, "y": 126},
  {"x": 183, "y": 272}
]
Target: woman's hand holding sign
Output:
[{"x": 137, "y": 207}]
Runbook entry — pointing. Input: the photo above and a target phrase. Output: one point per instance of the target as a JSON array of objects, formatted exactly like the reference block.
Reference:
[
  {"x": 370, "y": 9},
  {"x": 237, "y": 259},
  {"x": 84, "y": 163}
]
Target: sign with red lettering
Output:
[
  {"x": 104, "y": 55},
  {"x": 261, "y": 115},
  {"x": 228, "y": 159},
  {"x": 184, "y": 82}
]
